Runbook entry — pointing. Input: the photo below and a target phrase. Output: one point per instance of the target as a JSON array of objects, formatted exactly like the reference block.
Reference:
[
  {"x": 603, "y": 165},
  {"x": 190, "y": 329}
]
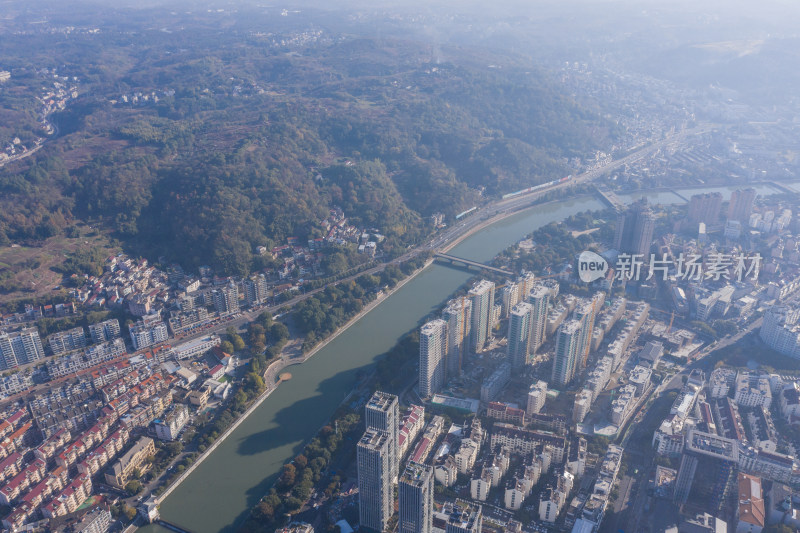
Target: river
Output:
[{"x": 219, "y": 493}]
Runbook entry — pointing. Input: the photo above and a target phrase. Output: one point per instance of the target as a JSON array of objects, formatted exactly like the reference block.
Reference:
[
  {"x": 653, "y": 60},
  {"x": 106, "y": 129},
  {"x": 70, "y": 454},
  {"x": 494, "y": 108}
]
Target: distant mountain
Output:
[{"x": 199, "y": 145}]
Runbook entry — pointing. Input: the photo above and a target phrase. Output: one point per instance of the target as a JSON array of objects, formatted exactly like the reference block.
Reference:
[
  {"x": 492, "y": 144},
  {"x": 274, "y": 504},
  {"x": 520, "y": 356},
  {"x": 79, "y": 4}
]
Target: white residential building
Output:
[{"x": 432, "y": 350}]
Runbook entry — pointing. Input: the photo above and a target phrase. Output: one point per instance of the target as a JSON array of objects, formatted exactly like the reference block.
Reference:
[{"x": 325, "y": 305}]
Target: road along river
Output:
[{"x": 219, "y": 493}]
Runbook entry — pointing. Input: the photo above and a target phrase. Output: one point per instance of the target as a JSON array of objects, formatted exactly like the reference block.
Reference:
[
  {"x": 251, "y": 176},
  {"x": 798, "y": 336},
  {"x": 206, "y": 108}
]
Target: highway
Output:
[
  {"x": 481, "y": 217},
  {"x": 442, "y": 242}
]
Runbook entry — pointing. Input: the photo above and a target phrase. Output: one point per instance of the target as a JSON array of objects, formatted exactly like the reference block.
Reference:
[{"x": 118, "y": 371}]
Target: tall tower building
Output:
[
  {"x": 539, "y": 298},
  {"x": 20, "y": 347},
  {"x": 705, "y": 208},
  {"x": 711, "y": 454},
  {"x": 482, "y": 298},
  {"x": 519, "y": 330},
  {"x": 635, "y": 227},
  {"x": 432, "y": 353},
  {"x": 568, "y": 345},
  {"x": 375, "y": 493},
  {"x": 416, "y": 499},
  {"x": 525, "y": 282},
  {"x": 741, "y": 205},
  {"x": 382, "y": 412},
  {"x": 685, "y": 478},
  {"x": 586, "y": 312},
  {"x": 509, "y": 297},
  {"x": 458, "y": 315}
]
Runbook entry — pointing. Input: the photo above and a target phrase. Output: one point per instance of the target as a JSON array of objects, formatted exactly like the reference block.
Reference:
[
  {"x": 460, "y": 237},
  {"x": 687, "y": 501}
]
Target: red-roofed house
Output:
[
  {"x": 217, "y": 372},
  {"x": 750, "y": 516}
]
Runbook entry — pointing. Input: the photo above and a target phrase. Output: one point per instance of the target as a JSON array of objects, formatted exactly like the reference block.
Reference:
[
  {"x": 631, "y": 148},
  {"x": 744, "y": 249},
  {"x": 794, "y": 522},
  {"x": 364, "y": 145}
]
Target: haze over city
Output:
[{"x": 427, "y": 267}]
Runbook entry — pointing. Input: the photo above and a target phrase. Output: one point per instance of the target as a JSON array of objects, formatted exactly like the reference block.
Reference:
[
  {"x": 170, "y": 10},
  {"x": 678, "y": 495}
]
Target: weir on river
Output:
[{"x": 218, "y": 495}]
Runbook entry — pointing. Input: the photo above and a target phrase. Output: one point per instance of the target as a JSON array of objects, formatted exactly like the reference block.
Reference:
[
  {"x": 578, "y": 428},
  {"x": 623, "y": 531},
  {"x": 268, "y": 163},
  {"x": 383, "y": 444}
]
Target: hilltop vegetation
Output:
[{"x": 252, "y": 140}]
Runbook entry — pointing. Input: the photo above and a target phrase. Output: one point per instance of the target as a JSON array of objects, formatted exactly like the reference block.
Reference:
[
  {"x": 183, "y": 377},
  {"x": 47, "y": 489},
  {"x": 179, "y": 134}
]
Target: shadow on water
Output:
[
  {"x": 287, "y": 429},
  {"x": 291, "y": 427}
]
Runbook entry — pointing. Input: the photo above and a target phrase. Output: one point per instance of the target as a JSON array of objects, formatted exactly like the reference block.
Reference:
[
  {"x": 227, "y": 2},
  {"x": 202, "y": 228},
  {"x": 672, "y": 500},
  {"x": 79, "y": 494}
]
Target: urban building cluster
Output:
[
  {"x": 724, "y": 425},
  {"x": 98, "y": 422},
  {"x": 607, "y": 354}
]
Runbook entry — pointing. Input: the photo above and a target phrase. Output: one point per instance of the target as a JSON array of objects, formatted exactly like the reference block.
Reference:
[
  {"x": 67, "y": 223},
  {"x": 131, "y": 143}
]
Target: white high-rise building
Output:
[
  {"x": 432, "y": 350},
  {"x": 519, "y": 329},
  {"x": 539, "y": 298},
  {"x": 525, "y": 282},
  {"x": 20, "y": 347},
  {"x": 568, "y": 346},
  {"x": 458, "y": 315},
  {"x": 482, "y": 297},
  {"x": 375, "y": 493},
  {"x": 415, "y": 495},
  {"x": 509, "y": 297},
  {"x": 382, "y": 412}
]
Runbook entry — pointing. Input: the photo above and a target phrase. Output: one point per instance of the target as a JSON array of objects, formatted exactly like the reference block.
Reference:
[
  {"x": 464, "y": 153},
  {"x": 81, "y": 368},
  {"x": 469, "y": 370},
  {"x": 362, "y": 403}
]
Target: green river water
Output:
[{"x": 219, "y": 493}]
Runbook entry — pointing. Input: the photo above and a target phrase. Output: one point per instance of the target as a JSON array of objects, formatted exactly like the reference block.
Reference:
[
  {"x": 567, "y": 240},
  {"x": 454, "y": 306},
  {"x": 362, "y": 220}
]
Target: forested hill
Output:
[{"x": 255, "y": 136}]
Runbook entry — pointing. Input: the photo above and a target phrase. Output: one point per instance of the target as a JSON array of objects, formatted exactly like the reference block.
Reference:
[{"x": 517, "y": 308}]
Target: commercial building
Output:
[
  {"x": 482, "y": 298},
  {"x": 196, "y": 347},
  {"x": 415, "y": 494},
  {"x": 375, "y": 494},
  {"x": 383, "y": 414},
  {"x": 432, "y": 353},
  {"x": 20, "y": 347},
  {"x": 724, "y": 455}
]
